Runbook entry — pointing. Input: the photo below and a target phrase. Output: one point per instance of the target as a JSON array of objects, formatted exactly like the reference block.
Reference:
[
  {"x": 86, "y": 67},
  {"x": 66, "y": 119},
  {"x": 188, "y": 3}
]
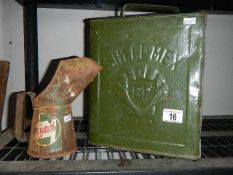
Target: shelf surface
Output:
[{"x": 217, "y": 155}]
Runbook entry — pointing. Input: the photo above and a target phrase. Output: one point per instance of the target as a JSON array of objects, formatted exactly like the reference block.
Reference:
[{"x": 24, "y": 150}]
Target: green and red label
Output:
[{"x": 48, "y": 131}]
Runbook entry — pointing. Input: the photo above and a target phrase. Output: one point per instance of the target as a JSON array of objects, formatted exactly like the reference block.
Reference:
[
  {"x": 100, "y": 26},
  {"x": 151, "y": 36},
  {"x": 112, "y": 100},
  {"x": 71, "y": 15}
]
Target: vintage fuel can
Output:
[
  {"x": 149, "y": 96},
  {"x": 52, "y": 129}
]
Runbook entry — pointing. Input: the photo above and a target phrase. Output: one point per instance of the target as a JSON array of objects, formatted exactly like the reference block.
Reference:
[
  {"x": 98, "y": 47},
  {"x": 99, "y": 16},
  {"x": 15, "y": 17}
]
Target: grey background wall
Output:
[
  {"x": 60, "y": 34},
  {"x": 218, "y": 77},
  {"x": 1, "y": 31},
  {"x": 11, "y": 30}
]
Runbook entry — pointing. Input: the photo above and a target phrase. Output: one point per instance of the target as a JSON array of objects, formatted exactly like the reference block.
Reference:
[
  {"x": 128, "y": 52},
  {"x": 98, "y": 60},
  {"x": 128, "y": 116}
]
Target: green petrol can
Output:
[{"x": 148, "y": 97}]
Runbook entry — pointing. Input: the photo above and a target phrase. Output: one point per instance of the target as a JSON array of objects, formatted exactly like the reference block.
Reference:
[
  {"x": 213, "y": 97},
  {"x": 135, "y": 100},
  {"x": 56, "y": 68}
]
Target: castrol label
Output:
[{"x": 48, "y": 130}]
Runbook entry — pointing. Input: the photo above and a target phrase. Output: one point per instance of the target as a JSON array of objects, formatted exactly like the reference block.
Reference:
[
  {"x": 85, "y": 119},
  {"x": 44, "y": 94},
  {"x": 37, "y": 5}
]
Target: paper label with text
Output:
[{"x": 172, "y": 115}]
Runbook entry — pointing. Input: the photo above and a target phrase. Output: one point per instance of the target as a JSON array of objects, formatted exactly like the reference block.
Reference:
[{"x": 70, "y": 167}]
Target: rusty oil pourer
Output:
[{"x": 52, "y": 129}]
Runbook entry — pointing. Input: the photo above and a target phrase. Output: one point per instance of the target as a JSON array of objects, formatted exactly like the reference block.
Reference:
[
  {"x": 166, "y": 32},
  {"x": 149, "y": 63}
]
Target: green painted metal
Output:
[
  {"x": 49, "y": 130},
  {"x": 148, "y": 97}
]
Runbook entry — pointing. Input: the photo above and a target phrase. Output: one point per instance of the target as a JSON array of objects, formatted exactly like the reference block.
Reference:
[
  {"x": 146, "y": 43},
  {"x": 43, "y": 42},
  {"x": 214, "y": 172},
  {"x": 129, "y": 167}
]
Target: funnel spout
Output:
[{"x": 71, "y": 77}]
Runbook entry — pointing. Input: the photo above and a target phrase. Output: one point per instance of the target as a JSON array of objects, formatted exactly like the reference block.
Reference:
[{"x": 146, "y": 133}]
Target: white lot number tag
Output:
[
  {"x": 67, "y": 118},
  {"x": 189, "y": 21},
  {"x": 172, "y": 115}
]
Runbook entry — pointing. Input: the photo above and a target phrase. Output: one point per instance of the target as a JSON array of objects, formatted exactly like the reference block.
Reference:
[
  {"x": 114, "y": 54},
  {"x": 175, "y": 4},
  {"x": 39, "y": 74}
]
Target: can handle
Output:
[
  {"x": 20, "y": 122},
  {"x": 149, "y": 8},
  {"x": 19, "y": 117}
]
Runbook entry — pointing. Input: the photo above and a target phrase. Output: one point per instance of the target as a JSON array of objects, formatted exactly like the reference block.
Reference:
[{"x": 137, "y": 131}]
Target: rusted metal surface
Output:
[
  {"x": 52, "y": 130},
  {"x": 51, "y": 134},
  {"x": 20, "y": 135},
  {"x": 4, "y": 70},
  {"x": 71, "y": 77}
]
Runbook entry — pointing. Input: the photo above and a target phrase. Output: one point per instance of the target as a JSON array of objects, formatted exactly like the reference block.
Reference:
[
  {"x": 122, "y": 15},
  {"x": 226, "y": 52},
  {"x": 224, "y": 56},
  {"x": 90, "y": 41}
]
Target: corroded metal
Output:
[
  {"x": 52, "y": 129},
  {"x": 20, "y": 135}
]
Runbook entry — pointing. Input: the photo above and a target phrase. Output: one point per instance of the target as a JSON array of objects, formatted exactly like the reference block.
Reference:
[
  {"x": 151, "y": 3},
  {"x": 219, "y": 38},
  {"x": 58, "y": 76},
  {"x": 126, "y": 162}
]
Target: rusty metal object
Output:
[
  {"x": 52, "y": 130},
  {"x": 21, "y": 121},
  {"x": 4, "y": 71},
  {"x": 20, "y": 135}
]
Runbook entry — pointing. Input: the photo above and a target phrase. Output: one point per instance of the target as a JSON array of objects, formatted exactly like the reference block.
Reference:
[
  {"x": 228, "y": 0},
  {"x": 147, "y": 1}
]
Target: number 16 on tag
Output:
[{"x": 172, "y": 115}]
